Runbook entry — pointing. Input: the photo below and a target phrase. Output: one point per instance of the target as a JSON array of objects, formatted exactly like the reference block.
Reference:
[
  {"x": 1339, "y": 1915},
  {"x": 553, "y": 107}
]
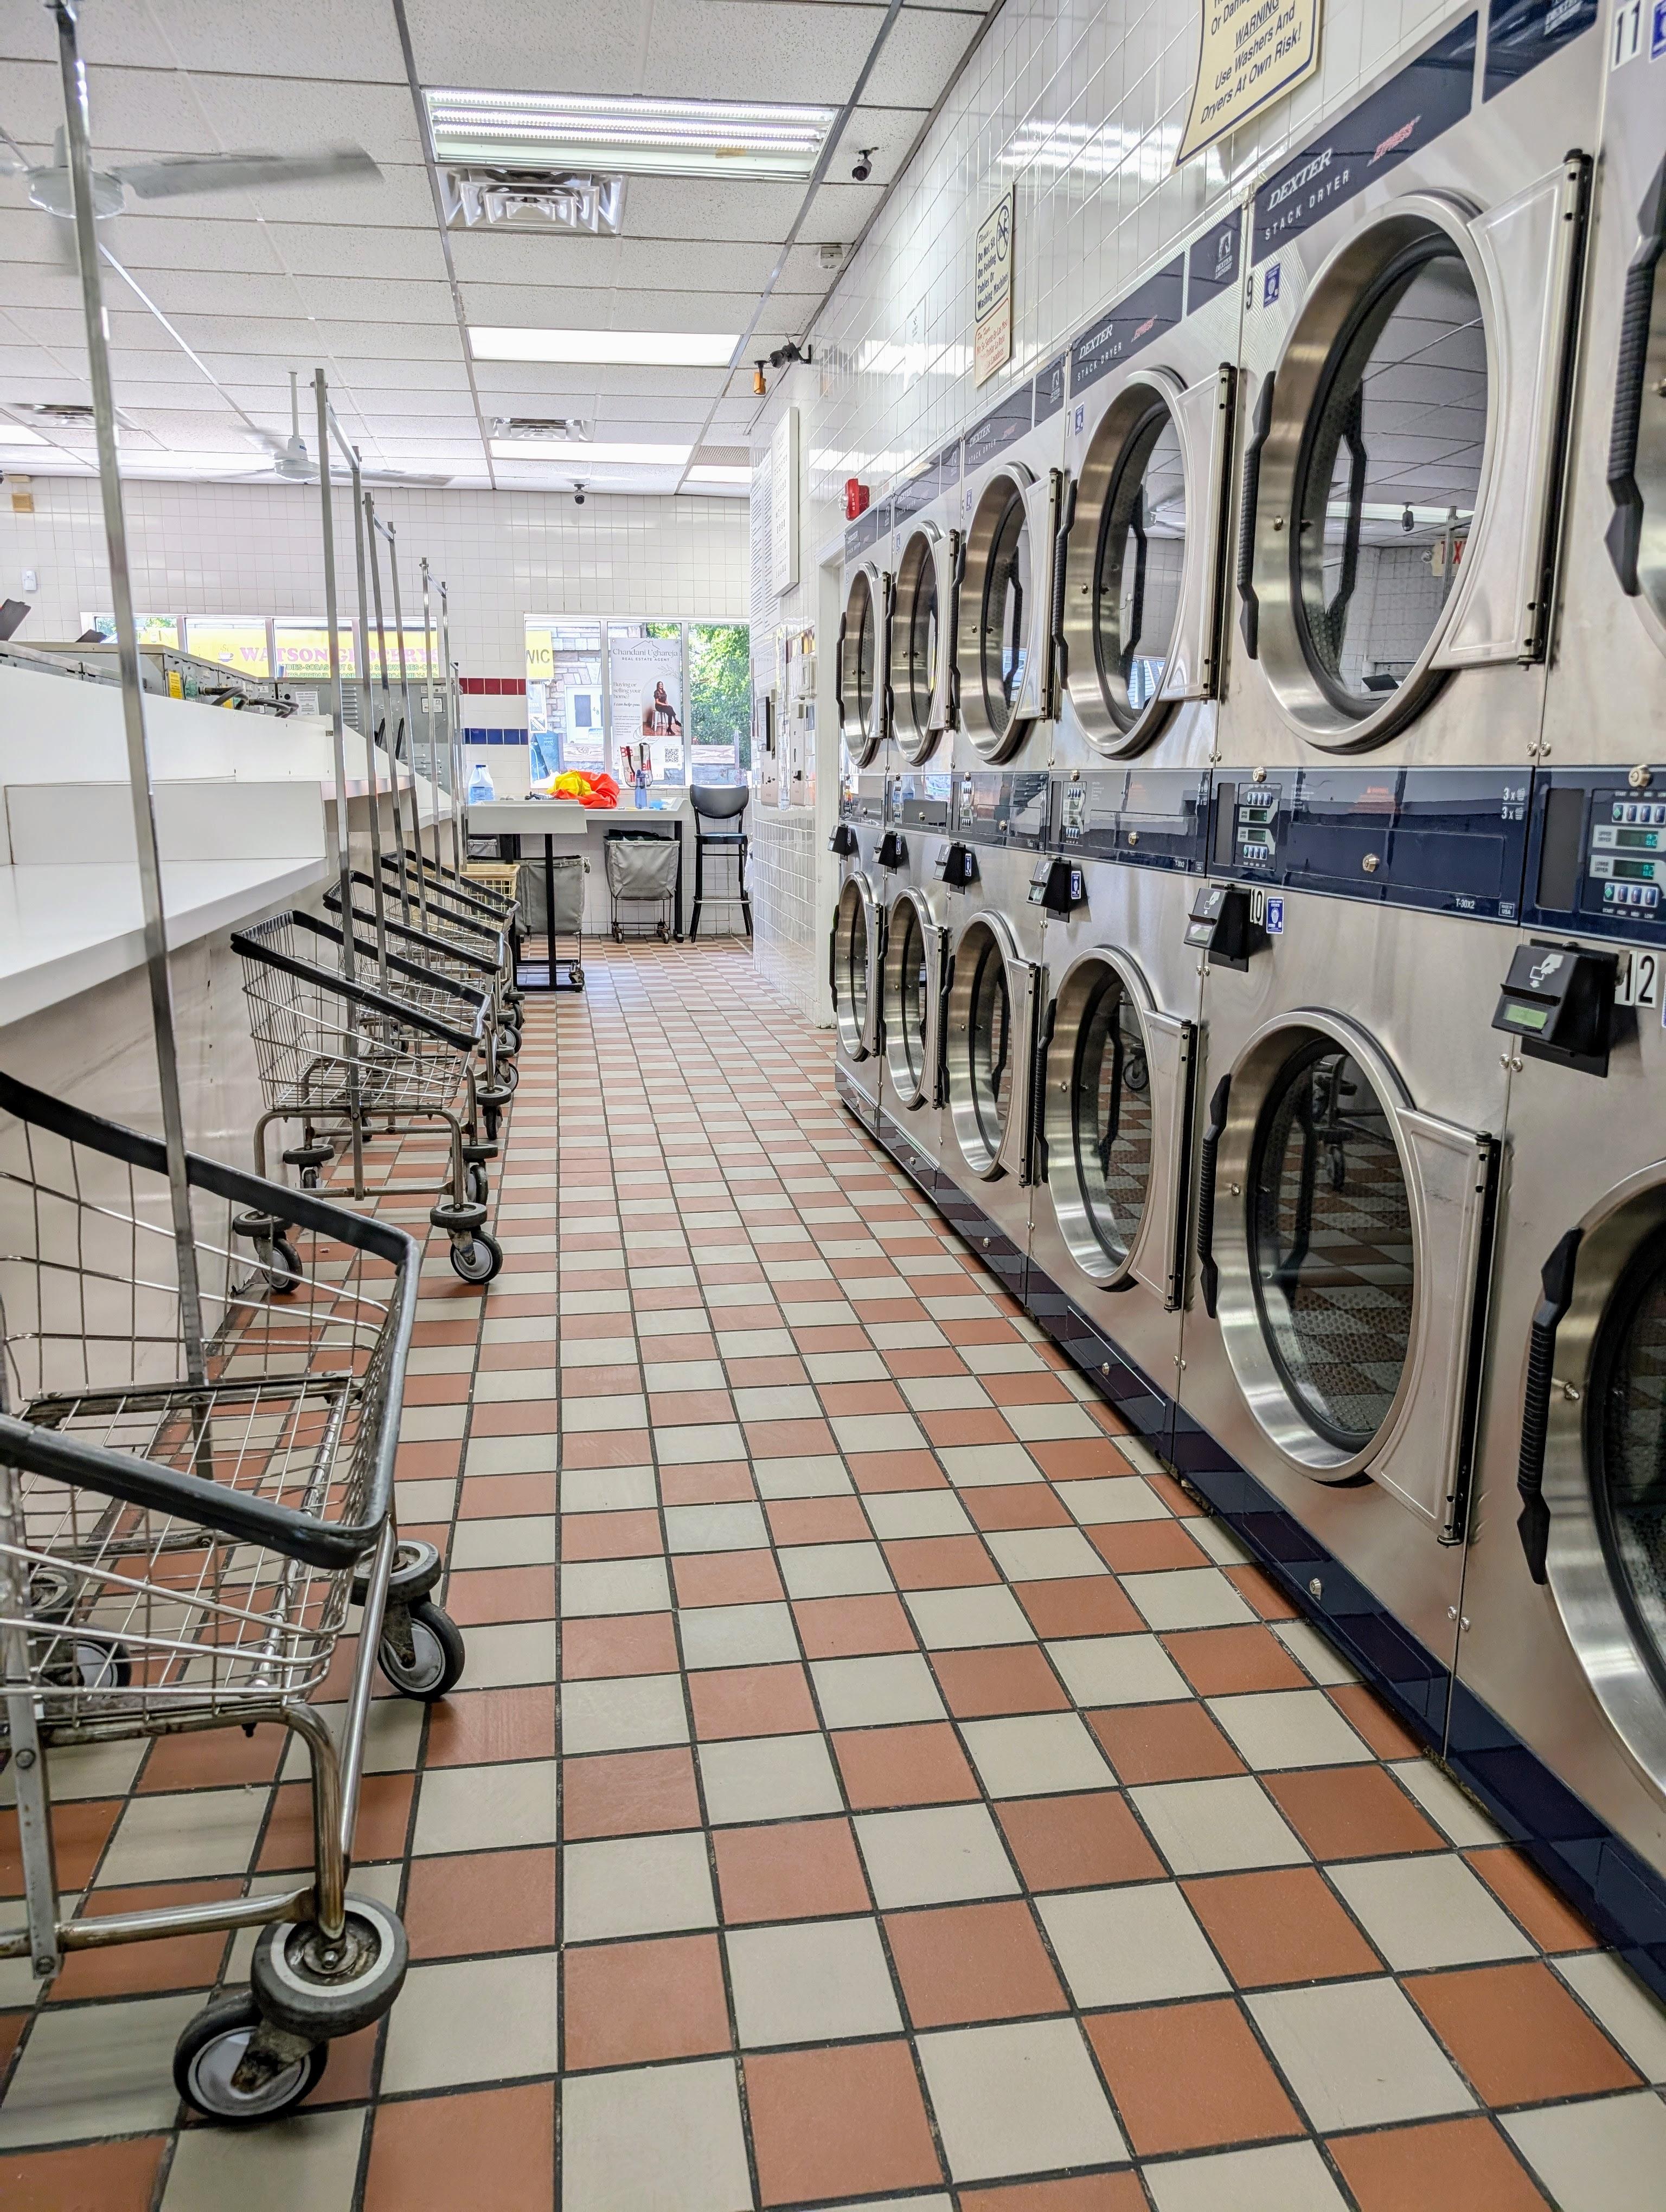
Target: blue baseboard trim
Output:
[{"x": 1622, "y": 1897}]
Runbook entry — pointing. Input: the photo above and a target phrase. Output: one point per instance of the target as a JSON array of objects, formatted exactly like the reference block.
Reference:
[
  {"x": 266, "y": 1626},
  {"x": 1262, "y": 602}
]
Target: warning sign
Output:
[
  {"x": 1252, "y": 52},
  {"x": 992, "y": 291}
]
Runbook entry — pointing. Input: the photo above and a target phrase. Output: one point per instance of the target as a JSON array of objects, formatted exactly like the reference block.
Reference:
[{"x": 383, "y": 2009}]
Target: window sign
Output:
[{"x": 242, "y": 646}]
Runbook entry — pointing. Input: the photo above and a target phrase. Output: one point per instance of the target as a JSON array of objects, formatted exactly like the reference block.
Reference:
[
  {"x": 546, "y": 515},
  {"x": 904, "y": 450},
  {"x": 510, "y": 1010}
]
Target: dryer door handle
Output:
[
  {"x": 838, "y": 669},
  {"x": 1061, "y": 563},
  {"x": 1250, "y": 606},
  {"x": 1208, "y": 1273},
  {"x": 1532, "y": 1524},
  {"x": 1625, "y": 531}
]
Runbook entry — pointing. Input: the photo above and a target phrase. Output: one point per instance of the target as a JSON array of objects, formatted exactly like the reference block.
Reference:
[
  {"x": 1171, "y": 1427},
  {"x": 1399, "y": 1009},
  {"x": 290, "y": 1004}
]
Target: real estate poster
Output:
[{"x": 645, "y": 684}]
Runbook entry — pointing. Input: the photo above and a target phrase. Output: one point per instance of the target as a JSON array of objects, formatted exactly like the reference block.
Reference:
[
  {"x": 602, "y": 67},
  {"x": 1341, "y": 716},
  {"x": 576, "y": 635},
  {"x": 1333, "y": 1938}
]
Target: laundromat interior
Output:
[{"x": 833, "y": 1106}]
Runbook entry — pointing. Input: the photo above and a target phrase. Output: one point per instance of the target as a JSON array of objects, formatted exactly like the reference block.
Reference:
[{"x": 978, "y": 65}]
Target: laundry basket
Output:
[
  {"x": 642, "y": 872},
  {"x": 558, "y": 914}
]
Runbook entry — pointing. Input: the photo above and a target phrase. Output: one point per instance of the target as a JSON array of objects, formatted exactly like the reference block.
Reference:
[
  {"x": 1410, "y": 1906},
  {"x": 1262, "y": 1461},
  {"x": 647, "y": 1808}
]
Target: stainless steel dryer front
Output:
[
  {"x": 925, "y": 554},
  {"x": 1559, "y": 1719},
  {"x": 1002, "y": 695},
  {"x": 914, "y": 969},
  {"x": 1410, "y": 315},
  {"x": 1148, "y": 453},
  {"x": 859, "y": 668},
  {"x": 1354, "y": 1103},
  {"x": 855, "y": 946}
]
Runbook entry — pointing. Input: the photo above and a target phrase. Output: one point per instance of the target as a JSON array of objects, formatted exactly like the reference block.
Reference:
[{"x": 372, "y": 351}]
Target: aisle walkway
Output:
[{"x": 944, "y": 1804}]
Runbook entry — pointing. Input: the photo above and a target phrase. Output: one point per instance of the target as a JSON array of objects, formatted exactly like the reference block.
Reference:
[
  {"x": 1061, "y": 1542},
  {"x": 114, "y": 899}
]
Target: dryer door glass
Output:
[
  {"x": 1388, "y": 475},
  {"x": 1331, "y": 1243},
  {"x": 1110, "y": 1149},
  {"x": 850, "y": 970},
  {"x": 907, "y": 1005},
  {"x": 1626, "y": 1442},
  {"x": 914, "y": 646},
  {"x": 989, "y": 1046},
  {"x": 1137, "y": 567},
  {"x": 856, "y": 670},
  {"x": 1007, "y": 608}
]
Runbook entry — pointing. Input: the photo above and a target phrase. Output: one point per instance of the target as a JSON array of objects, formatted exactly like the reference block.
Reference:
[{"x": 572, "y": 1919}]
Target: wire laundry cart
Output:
[
  {"x": 188, "y": 1523},
  {"x": 462, "y": 914},
  {"x": 555, "y": 912},
  {"x": 466, "y": 955},
  {"x": 641, "y": 871},
  {"x": 392, "y": 1047}
]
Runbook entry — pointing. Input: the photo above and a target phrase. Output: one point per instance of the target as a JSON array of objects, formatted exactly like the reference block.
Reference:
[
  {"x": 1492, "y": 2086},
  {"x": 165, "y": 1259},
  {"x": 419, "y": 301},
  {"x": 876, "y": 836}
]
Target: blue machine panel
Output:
[
  {"x": 1449, "y": 841},
  {"x": 915, "y": 800},
  {"x": 1146, "y": 817},
  {"x": 1596, "y": 855}
]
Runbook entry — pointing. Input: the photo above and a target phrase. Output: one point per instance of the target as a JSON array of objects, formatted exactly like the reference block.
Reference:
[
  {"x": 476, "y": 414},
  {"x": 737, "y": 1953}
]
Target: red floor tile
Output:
[
  {"x": 719, "y": 1482},
  {"x": 1517, "y": 1884},
  {"x": 618, "y": 1643},
  {"x": 1134, "y": 1547},
  {"x": 1012, "y": 1678},
  {"x": 795, "y": 1870},
  {"x": 479, "y": 1595},
  {"x": 1078, "y": 1605},
  {"x": 921, "y": 1764},
  {"x": 1518, "y": 2034},
  {"x": 1465, "y": 2163},
  {"x": 1281, "y": 1925},
  {"x": 939, "y": 1563},
  {"x": 480, "y": 1901},
  {"x": 818, "y": 1521},
  {"x": 850, "y": 1627},
  {"x": 1016, "y": 1505},
  {"x": 108, "y": 2177},
  {"x": 213, "y": 1758},
  {"x": 494, "y": 2146},
  {"x": 604, "y": 1447},
  {"x": 1084, "y": 2192},
  {"x": 1178, "y": 1742},
  {"x": 1076, "y": 1459},
  {"x": 1083, "y": 1842},
  {"x": 1372, "y": 1719},
  {"x": 1261, "y": 1592},
  {"x": 863, "y": 1398},
  {"x": 874, "y": 1472},
  {"x": 478, "y": 1727},
  {"x": 740, "y": 1701},
  {"x": 726, "y": 1579},
  {"x": 499, "y": 1496},
  {"x": 1352, "y": 1813},
  {"x": 967, "y": 1425},
  {"x": 1217, "y": 1661},
  {"x": 629, "y": 1793},
  {"x": 845, "y": 2122},
  {"x": 631, "y": 1535},
  {"x": 628, "y": 2004},
  {"x": 1188, "y": 2076},
  {"x": 972, "y": 1962}
]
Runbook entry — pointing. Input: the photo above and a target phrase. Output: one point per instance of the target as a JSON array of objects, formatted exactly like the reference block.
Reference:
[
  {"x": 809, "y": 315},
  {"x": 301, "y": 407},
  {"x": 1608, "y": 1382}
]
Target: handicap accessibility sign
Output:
[
  {"x": 1275, "y": 917},
  {"x": 1270, "y": 282}
]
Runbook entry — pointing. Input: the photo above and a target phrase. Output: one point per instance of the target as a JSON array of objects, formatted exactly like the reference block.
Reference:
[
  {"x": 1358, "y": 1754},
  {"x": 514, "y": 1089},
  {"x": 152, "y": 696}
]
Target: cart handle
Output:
[
  {"x": 392, "y": 864},
  {"x": 475, "y": 1000},
  {"x": 491, "y": 930},
  {"x": 480, "y": 960},
  {"x": 358, "y": 995}
]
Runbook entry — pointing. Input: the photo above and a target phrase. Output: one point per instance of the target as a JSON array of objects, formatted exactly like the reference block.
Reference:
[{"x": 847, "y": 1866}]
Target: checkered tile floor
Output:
[{"x": 946, "y": 1814}]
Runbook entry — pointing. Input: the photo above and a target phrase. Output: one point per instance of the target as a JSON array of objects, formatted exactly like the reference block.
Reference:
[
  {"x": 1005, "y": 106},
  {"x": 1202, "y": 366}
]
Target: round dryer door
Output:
[
  {"x": 997, "y": 615},
  {"x": 912, "y": 969},
  {"x": 854, "y": 954},
  {"x": 1125, "y": 568},
  {"x": 1097, "y": 1121},
  {"x": 860, "y": 701},
  {"x": 915, "y": 617},
  {"x": 1370, "y": 475},
  {"x": 988, "y": 1027}
]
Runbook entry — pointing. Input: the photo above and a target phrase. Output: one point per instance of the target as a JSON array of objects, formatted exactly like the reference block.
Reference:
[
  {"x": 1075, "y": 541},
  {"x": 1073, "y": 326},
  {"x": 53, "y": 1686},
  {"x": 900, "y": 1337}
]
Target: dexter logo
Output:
[
  {"x": 1395, "y": 138},
  {"x": 1305, "y": 175},
  {"x": 1150, "y": 323}
]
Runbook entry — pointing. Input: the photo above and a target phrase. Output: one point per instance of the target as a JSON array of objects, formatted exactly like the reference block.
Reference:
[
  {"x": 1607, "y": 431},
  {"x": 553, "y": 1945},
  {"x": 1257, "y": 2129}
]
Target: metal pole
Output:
[
  {"x": 431, "y": 697},
  {"x": 367, "y": 725},
  {"x": 338, "y": 716},
  {"x": 78, "y": 136},
  {"x": 368, "y": 507},
  {"x": 453, "y": 730},
  {"x": 410, "y": 727}
]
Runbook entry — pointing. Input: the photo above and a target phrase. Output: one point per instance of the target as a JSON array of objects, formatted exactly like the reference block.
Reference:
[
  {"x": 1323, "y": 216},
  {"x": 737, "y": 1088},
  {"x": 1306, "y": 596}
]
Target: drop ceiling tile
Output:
[
  {"x": 375, "y": 298},
  {"x": 337, "y": 43},
  {"x": 710, "y": 207},
  {"x": 389, "y": 249},
  {"x": 534, "y": 257}
]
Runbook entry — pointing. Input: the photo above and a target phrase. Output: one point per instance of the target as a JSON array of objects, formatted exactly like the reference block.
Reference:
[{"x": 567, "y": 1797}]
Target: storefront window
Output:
[
  {"x": 243, "y": 645},
  {"x": 673, "y": 698}
]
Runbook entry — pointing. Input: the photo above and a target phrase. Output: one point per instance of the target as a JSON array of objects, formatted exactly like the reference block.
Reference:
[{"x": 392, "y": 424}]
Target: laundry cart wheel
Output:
[
  {"x": 476, "y": 1259},
  {"x": 309, "y": 1987},
  {"x": 433, "y": 1664},
  {"x": 282, "y": 1268},
  {"x": 575, "y": 976},
  {"x": 213, "y": 2052},
  {"x": 479, "y": 1183}
]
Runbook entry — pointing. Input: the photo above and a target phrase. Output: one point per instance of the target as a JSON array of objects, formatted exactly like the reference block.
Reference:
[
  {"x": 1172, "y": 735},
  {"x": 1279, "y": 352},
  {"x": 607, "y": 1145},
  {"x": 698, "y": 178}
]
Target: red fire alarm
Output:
[{"x": 856, "y": 498}]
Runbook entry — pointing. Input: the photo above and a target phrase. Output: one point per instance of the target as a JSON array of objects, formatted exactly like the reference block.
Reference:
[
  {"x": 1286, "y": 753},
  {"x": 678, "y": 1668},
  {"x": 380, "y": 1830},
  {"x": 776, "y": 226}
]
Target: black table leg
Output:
[
  {"x": 550, "y": 909},
  {"x": 677, "y": 912}
]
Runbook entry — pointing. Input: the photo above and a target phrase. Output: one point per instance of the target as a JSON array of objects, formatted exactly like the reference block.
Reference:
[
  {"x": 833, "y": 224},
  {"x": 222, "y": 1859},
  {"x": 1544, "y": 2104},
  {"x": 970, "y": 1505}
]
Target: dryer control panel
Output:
[
  {"x": 994, "y": 806},
  {"x": 1597, "y": 860},
  {"x": 862, "y": 799},
  {"x": 1449, "y": 841},
  {"x": 1145, "y": 817},
  {"x": 918, "y": 801}
]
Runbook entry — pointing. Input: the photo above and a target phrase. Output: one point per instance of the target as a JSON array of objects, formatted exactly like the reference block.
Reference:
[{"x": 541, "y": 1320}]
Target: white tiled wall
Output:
[
  {"x": 258, "y": 550},
  {"x": 1081, "y": 107},
  {"x": 782, "y": 866}
]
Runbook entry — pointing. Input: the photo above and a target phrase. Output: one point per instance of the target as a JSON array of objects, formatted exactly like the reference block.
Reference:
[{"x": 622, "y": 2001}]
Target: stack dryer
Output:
[
  {"x": 1559, "y": 1719},
  {"x": 857, "y": 939},
  {"x": 1410, "y": 305},
  {"x": 1140, "y": 639}
]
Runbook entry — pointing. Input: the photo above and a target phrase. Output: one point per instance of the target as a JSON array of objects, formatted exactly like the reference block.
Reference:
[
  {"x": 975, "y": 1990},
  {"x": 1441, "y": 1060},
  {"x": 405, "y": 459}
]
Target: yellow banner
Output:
[{"x": 1251, "y": 53}]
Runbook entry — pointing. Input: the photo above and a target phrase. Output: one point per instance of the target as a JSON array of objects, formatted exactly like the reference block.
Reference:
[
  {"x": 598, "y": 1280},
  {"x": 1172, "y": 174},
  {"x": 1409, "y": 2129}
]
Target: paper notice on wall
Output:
[
  {"x": 1251, "y": 53},
  {"x": 645, "y": 679},
  {"x": 992, "y": 291}
]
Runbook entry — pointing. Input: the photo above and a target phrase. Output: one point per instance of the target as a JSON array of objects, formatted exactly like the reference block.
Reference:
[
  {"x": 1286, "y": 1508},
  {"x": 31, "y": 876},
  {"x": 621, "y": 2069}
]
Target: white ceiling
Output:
[{"x": 353, "y": 277}]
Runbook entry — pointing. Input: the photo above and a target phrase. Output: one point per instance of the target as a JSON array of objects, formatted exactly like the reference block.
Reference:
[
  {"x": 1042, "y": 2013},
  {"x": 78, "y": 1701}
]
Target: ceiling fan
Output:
[
  {"x": 292, "y": 462},
  {"x": 179, "y": 173}
]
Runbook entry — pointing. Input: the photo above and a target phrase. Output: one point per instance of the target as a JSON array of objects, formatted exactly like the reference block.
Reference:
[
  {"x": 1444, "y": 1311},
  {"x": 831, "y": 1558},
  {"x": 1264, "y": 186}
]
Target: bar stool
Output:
[{"x": 719, "y": 802}]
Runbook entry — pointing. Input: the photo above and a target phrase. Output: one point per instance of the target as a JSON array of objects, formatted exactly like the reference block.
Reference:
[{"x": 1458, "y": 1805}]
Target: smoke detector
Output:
[
  {"x": 830, "y": 255},
  {"x": 499, "y": 198},
  {"x": 540, "y": 427}
]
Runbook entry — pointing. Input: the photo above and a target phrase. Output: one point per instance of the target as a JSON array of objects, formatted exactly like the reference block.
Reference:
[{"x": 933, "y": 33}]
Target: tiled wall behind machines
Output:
[{"x": 258, "y": 550}]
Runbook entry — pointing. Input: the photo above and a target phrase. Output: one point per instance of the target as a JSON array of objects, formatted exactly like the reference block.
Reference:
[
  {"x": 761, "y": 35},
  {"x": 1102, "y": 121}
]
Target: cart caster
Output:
[
  {"x": 508, "y": 1077},
  {"x": 216, "y": 2072},
  {"x": 312, "y": 1989},
  {"x": 618, "y": 935},
  {"x": 416, "y": 1567},
  {"x": 575, "y": 976},
  {"x": 663, "y": 932},
  {"x": 281, "y": 1266},
  {"x": 488, "y": 1121},
  {"x": 476, "y": 1259},
  {"x": 478, "y": 1186},
  {"x": 422, "y": 1651}
]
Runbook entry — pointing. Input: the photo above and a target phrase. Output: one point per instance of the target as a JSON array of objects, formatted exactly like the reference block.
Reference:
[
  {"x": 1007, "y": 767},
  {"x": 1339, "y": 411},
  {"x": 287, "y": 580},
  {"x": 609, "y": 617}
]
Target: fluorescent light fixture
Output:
[
  {"x": 705, "y": 473},
  {"x": 632, "y": 136},
  {"x": 18, "y": 434},
  {"x": 581, "y": 453},
  {"x": 611, "y": 348}
]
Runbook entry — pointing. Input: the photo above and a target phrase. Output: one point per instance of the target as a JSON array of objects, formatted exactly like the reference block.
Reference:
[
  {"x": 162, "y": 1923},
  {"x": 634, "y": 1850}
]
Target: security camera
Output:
[
  {"x": 578, "y": 495},
  {"x": 864, "y": 168}
]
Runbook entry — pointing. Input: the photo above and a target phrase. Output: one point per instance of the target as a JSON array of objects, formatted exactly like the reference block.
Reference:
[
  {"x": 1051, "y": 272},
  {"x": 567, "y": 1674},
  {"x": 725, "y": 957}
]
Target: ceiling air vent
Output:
[
  {"x": 512, "y": 198},
  {"x": 72, "y": 413},
  {"x": 540, "y": 427}
]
